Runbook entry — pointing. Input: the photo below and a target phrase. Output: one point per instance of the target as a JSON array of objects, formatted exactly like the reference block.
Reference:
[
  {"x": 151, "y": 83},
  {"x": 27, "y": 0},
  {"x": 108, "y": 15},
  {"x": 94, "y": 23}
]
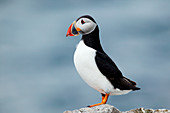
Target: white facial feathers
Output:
[{"x": 86, "y": 25}]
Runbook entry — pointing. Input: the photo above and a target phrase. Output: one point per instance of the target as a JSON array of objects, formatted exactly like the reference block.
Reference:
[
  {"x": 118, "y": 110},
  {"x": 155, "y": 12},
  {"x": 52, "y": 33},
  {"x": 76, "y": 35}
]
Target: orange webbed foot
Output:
[{"x": 104, "y": 100}]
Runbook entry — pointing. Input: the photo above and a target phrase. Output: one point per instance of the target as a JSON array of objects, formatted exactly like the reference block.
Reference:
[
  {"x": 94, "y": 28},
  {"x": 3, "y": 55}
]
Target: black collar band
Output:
[{"x": 92, "y": 40}]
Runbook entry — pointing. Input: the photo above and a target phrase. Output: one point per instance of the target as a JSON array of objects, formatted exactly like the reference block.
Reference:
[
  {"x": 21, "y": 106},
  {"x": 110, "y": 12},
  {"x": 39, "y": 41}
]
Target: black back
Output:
[{"x": 109, "y": 69}]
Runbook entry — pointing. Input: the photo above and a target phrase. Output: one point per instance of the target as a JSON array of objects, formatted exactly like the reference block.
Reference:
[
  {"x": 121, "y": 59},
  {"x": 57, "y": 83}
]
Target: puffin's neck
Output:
[{"x": 92, "y": 40}]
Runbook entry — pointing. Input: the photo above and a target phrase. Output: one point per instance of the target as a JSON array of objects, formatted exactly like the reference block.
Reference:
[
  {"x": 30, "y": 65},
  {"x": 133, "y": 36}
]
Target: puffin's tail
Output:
[
  {"x": 133, "y": 84},
  {"x": 135, "y": 88}
]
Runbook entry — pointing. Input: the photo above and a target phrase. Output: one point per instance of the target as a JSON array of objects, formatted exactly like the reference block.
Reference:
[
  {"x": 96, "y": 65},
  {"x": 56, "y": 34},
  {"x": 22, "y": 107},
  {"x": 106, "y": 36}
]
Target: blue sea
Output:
[{"x": 37, "y": 74}]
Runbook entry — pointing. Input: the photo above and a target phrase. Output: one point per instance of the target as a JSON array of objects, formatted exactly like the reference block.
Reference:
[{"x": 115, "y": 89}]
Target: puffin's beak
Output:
[{"x": 73, "y": 30}]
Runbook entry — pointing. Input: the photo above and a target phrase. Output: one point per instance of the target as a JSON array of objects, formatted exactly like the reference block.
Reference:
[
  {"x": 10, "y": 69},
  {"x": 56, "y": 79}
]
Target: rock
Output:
[
  {"x": 142, "y": 110},
  {"x": 97, "y": 109},
  {"x": 111, "y": 109}
]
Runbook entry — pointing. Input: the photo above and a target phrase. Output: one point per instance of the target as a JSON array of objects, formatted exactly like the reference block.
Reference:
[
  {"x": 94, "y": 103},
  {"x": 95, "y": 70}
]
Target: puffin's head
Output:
[{"x": 83, "y": 25}]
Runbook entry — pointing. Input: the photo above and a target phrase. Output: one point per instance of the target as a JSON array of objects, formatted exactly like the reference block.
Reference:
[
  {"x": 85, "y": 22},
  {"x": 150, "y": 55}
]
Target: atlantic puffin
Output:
[{"x": 94, "y": 66}]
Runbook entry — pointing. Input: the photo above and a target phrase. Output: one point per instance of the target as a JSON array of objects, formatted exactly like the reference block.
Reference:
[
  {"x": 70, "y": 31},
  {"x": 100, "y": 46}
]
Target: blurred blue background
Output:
[{"x": 37, "y": 74}]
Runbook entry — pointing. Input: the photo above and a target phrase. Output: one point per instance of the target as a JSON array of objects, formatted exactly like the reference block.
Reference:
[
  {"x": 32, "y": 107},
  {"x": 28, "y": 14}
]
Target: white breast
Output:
[{"x": 84, "y": 60}]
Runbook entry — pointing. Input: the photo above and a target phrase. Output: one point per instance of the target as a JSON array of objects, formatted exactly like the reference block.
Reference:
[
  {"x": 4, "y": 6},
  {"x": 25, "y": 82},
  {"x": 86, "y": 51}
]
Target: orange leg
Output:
[
  {"x": 104, "y": 100},
  {"x": 103, "y": 95}
]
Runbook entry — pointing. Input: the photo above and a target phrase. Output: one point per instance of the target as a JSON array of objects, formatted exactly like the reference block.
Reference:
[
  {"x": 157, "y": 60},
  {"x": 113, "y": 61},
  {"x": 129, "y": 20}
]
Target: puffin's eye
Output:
[{"x": 82, "y": 21}]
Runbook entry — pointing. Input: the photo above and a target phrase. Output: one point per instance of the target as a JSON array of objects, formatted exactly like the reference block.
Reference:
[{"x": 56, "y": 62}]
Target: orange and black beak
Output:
[{"x": 73, "y": 30}]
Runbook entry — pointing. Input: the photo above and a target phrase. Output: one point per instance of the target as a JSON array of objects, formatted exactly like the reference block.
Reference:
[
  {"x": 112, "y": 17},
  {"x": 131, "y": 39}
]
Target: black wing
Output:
[{"x": 109, "y": 69}]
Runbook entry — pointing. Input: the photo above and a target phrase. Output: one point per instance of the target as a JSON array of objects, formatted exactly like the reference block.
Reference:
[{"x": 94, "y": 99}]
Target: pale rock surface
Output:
[{"x": 111, "y": 109}]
